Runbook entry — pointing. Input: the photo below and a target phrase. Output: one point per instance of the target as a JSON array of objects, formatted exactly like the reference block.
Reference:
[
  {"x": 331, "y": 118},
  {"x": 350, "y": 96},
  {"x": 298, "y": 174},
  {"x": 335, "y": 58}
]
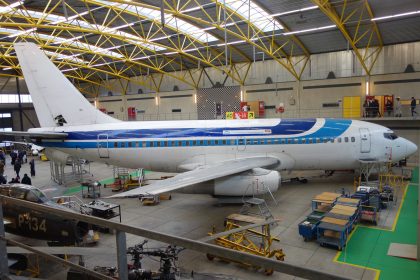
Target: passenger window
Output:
[
  {"x": 283, "y": 141},
  {"x": 296, "y": 141},
  {"x": 303, "y": 140},
  {"x": 240, "y": 142},
  {"x": 201, "y": 142},
  {"x": 346, "y": 139},
  {"x": 325, "y": 140},
  {"x": 115, "y": 144},
  {"x": 224, "y": 142},
  {"x": 353, "y": 139},
  {"x": 310, "y": 140},
  {"x": 318, "y": 140},
  {"x": 137, "y": 144},
  {"x": 268, "y": 141},
  {"x": 143, "y": 144},
  {"x": 339, "y": 139},
  {"x": 289, "y": 141},
  {"x": 187, "y": 143},
  {"x": 129, "y": 144}
]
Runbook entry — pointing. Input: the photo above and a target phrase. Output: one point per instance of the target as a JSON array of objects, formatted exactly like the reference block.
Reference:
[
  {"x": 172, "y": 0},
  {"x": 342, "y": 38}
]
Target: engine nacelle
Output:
[
  {"x": 253, "y": 182},
  {"x": 56, "y": 155}
]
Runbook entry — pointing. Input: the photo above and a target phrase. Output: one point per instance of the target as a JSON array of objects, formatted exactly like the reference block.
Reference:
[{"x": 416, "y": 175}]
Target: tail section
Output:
[{"x": 55, "y": 99}]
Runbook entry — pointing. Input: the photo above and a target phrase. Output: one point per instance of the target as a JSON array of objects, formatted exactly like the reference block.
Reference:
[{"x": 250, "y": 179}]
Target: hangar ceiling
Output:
[{"x": 95, "y": 40}]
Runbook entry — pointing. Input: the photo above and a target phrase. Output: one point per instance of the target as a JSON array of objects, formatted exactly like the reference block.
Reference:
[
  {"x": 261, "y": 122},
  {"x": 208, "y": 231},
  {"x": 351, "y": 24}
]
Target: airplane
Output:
[
  {"x": 34, "y": 224},
  {"x": 35, "y": 149},
  {"x": 230, "y": 153}
]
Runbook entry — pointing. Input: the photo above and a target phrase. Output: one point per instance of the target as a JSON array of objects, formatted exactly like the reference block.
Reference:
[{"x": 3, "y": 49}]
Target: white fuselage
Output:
[{"x": 174, "y": 146}]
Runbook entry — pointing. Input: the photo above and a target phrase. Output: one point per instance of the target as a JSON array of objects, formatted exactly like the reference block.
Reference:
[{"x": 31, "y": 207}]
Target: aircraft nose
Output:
[{"x": 411, "y": 148}]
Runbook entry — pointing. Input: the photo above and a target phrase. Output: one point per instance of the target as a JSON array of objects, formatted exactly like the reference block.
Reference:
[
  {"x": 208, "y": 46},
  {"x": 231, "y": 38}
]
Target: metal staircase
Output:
[{"x": 256, "y": 206}]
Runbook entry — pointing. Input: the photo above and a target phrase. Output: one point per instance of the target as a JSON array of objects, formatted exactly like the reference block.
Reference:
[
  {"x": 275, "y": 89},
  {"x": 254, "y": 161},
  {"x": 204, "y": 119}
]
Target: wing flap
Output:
[{"x": 201, "y": 174}]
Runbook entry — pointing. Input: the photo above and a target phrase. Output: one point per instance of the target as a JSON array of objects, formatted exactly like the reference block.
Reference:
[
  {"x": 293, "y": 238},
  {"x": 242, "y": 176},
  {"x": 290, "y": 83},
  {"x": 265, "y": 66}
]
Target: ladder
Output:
[{"x": 262, "y": 206}]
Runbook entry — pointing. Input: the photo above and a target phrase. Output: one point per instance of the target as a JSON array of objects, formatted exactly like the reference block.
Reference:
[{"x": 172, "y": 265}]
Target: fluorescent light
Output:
[
  {"x": 397, "y": 15},
  {"x": 309, "y": 30},
  {"x": 157, "y": 100},
  {"x": 295, "y": 11},
  {"x": 242, "y": 96},
  {"x": 195, "y": 98},
  {"x": 7, "y": 68},
  {"x": 367, "y": 88}
]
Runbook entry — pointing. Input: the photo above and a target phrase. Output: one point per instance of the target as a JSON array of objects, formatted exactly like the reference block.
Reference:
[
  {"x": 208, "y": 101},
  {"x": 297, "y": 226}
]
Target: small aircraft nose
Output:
[{"x": 411, "y": 148}]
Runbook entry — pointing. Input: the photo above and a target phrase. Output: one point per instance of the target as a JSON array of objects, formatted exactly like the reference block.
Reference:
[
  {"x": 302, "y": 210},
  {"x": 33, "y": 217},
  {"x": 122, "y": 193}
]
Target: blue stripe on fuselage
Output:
[
  {"x": 331, "y": 129},
  {"x": 285, "y": 127}
]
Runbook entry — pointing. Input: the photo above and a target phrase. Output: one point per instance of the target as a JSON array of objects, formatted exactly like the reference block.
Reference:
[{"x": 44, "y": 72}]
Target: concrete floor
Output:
[{"x": 193, "y": 216}]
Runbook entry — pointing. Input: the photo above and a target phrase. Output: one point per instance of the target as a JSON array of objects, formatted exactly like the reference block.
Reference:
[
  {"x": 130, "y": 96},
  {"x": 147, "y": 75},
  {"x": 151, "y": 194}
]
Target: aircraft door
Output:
[
  {"x": 103, "y": 150},
  {"x": 241, "y": 144},
  {"x": 364, "y": 140}
]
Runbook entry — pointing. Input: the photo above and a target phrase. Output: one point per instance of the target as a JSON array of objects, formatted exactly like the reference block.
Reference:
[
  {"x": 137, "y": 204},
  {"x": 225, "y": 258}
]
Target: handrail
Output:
[{"x": 179, "y": 241}]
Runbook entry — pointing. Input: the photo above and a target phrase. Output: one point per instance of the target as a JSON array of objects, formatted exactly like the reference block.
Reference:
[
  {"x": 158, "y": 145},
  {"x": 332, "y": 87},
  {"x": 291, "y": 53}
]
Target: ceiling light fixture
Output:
[
  {"x": 309, "y": 30},
  {"x": 396, "y": 15}
]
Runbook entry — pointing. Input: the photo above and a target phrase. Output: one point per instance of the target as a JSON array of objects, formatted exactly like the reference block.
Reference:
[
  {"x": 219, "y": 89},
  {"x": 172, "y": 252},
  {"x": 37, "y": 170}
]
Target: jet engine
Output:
[
  {"x": 56, "y": 155},
  {"x": 253, "y": 182}
]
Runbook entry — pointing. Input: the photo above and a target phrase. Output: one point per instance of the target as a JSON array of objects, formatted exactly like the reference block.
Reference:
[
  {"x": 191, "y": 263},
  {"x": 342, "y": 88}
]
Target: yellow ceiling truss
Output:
[
  {"x": 272, "y": 44},
  {"x": 354, "y": 20},
  {"x": 141, "y": 56}
]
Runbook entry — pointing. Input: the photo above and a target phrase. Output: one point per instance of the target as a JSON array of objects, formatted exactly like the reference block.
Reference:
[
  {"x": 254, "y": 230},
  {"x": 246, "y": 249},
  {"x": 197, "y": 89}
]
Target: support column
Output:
[
  {"x": 121, "y": 255},
  {"x": 20, "y": 104},
  {"x": 4, "y": 267}
]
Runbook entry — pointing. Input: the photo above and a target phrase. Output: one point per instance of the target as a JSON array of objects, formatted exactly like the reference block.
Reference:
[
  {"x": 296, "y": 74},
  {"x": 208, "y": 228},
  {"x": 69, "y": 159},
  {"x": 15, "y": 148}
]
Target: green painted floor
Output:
[
  {"x": 368, "y": 247},
  {"x": 108, "y": 181}
]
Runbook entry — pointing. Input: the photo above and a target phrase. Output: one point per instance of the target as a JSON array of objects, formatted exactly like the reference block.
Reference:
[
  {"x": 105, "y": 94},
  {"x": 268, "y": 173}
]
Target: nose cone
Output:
[{"x": 411, "y": 148}]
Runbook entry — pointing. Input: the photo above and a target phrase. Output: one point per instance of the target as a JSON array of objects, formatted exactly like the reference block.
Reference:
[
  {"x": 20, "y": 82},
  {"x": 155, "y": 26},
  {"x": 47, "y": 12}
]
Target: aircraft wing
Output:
[
  {"x": 42, "y": 135},
  {"x": 201, "y": 174}
]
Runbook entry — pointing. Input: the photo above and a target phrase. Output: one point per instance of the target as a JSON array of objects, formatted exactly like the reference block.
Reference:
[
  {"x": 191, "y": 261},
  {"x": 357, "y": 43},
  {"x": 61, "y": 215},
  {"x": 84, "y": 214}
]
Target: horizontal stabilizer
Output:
[
  {"x": 201, "y": 174},
  {"x": 41, "y": 135}
]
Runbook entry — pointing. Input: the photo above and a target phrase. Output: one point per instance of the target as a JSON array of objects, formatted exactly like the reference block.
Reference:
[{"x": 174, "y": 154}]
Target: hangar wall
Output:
[{"x": 312, "y": 98}]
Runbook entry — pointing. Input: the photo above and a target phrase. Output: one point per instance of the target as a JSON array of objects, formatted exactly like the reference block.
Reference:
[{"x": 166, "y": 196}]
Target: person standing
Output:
[
  {"x": 389, "y": 106},
  {"x": 413, "y": 105},
  {"x": 32, "y": 165},
  {"x": 17, "y": 167},
  {"x": 398, "y": 113},
  {"x": 1, "y": 168},
  {"x": 26, "y": 180},
  {"x": 2, "y": 157}
]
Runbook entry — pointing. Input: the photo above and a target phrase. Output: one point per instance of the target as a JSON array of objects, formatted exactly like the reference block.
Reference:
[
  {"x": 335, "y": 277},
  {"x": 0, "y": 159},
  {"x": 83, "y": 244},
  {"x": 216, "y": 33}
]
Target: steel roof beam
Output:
[{"x": 347, "y": 14}]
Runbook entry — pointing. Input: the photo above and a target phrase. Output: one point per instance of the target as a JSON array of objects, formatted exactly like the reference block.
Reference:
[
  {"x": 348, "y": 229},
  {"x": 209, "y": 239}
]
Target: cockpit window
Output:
[
  {"x": 390, "y": 135},
  {"x": 17, "y": 193},
  {"x": 40, "y": 195}
]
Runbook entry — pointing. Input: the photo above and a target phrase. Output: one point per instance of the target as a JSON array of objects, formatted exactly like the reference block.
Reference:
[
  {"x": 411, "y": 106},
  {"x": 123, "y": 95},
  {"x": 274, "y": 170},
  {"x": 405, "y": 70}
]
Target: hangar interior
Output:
[{"x": 230, "y": 59}]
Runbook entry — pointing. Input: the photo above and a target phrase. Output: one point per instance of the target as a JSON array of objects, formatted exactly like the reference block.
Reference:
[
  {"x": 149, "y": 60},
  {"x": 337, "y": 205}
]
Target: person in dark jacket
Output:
[
  {"x": 17, "y": 167},
  {"x": 2, "y": 180},
  {"x": 15, "y": 180},
  {"x": 32, "y": 165},
  {"x": 26, "y": 180},
  {"x": 413, "y": 105}
]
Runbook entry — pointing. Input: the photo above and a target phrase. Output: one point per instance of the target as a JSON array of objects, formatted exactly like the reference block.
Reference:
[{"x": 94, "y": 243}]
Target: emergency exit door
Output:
[
  {"x": 103, "y": 146},
  {"x": 364, "y": 140}
]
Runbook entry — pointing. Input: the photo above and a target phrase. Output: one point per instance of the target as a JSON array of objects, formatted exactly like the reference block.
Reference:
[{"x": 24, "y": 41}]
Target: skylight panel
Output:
[
  {"x": 71, "y": 58},
  {"x": 59, "y": 40},
  {"x": 257, "y": 16},
  {"x": 176, "y": 23},
  {"x": 55, "y": 19}
]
